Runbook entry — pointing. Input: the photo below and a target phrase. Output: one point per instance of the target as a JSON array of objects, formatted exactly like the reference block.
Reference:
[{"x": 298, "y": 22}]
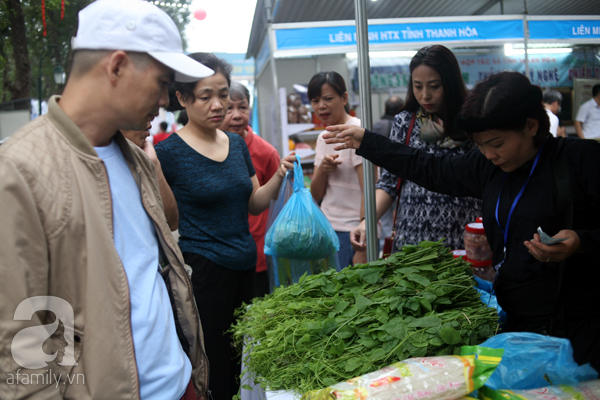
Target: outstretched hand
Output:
[
  {"x": 350, "y": 136},
  {"x": 557, "y": 252}
]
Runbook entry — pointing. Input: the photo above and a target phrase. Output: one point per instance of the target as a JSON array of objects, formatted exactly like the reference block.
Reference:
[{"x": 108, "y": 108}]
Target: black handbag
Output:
[{"x": 388, "y": 243}]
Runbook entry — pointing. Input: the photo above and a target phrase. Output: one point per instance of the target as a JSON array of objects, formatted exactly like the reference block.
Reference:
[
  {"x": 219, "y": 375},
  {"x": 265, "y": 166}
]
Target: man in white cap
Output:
[{"x": 94, "y": 298}]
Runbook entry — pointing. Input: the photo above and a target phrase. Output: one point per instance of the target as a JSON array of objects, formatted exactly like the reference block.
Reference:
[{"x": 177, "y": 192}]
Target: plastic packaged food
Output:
[
  {"x": 589, "y": 390},
  {"x": 421, "y": 378},
  {"x": 460, "y": 253},
  {"x": 476, "y": 243}
]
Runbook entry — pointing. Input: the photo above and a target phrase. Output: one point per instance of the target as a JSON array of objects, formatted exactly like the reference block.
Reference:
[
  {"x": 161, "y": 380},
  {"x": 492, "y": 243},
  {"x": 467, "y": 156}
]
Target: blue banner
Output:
[
  {"x": 434, "y": 32},
  {"x": 573, "y": 29},
  {"x": 241, "y": 66},
  {"x": 263, "y": 56},
  {"x": 546, "y": 70}
]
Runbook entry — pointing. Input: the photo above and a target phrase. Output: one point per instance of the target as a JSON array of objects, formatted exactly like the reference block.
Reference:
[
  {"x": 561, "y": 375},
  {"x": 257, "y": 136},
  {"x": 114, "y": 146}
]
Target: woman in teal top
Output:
[{"x": 215, "y": 185}]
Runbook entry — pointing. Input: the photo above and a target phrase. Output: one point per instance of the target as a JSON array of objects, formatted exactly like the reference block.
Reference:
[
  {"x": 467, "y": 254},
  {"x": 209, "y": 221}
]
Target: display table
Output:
[{"x": 257, "y": 393}]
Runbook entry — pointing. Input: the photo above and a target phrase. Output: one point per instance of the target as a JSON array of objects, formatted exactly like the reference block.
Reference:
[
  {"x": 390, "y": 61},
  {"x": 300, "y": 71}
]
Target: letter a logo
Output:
[{"x": 26, "y": 347}]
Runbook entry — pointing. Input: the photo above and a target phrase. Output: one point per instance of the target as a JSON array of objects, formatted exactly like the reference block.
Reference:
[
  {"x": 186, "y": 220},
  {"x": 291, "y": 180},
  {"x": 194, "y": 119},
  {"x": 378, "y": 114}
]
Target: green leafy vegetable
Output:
[{"x": 333, "y": 326}]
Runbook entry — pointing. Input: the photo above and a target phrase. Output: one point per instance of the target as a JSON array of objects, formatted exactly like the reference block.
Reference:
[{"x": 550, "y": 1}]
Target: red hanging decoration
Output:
[
  {"x": 44, "y": 16},
  {"x": 62, "y": 10}
]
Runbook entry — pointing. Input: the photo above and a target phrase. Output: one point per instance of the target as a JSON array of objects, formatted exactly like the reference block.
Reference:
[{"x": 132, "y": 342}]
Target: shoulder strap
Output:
[{"x": 399, "y": 184}]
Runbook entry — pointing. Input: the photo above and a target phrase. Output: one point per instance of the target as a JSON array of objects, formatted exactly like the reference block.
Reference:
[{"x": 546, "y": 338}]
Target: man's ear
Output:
[{"x": 118, "y": 62}]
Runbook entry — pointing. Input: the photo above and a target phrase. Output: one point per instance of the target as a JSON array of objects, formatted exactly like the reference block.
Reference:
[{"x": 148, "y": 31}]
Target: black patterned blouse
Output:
[{"x": 425, "y": 215}]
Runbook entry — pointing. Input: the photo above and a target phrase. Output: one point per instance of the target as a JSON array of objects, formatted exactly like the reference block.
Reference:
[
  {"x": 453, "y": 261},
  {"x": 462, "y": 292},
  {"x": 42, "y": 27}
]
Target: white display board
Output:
[
  {"x": 12, "y": 121},
  {"x": 582, "y": 92}
]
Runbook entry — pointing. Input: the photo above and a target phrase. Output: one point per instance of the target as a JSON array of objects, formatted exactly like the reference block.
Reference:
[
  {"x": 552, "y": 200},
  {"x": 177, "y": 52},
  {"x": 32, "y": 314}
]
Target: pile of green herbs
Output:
[{"x": 334, "y": 326}]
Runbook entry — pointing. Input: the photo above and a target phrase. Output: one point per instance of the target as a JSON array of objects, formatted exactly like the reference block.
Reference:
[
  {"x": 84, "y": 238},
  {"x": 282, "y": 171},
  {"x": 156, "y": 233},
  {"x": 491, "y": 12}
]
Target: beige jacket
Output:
[{"x": 56, "y": 239}]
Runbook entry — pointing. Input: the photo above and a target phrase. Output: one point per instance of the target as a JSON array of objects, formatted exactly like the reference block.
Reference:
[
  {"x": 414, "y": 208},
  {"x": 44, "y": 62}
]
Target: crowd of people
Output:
[{"x": 90, "y": 204}]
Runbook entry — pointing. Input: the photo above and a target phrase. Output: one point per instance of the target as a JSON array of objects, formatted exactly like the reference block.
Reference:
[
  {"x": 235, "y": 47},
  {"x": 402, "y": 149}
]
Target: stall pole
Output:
[
  {"x": 526, "y": 37},
  {"x": 364, "y": 80},
  {"x": 272, "y": 47}
]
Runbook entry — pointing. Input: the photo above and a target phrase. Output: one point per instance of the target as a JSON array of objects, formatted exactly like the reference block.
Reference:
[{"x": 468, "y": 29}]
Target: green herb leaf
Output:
[
  {"x": 420, "y": 279},
  {"x": 341, "y": 306},
  {"x": 425, "y": 322},
  {"x": 362, "y": 302},
  {"x": 377, "y": 354},
  {"x": 369, "y": 343},
  {"x": 425, "y": 303},
  {"x": 303, "y": 339},
  {"x": 450, "y": 335},
  {"x": 353, "y": 364}
]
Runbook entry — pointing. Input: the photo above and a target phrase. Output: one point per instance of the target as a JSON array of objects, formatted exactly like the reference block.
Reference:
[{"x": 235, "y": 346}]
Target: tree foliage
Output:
[{"x": 45, "y": 53}]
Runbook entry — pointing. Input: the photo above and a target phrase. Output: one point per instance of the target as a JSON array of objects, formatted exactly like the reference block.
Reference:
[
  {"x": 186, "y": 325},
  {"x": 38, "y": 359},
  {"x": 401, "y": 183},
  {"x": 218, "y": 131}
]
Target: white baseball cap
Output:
[{"x": 135, "y": 25}]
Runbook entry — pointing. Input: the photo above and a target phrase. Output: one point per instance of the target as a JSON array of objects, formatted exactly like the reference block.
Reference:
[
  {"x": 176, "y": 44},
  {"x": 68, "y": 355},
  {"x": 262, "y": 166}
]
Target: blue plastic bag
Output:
[
  {"x": 301, "y": 231},
  {"x": 529, "y": 358},
  {"x": 285, "y": 192},
  {"x": 285, "y": 271},
  {"x": 484, "y": 285},
  {"x": 491, "y": 301}
]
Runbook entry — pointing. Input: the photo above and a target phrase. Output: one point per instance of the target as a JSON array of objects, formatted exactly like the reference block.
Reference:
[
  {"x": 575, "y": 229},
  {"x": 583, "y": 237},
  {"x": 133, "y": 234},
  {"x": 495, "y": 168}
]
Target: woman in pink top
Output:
[{"x": 338, "y": 179}]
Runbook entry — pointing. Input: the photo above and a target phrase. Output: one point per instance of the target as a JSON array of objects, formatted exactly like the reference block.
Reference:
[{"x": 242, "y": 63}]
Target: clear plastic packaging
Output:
[
  {"x": 584, "y": 391},
  {"x": 423, "y": 378},
  {"x": 476, "y": 243},
  {"x": 478, "y": 251}
]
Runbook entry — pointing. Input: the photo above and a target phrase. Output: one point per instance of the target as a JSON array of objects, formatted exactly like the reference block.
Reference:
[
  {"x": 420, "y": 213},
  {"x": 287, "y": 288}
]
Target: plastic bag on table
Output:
[
  {"x": 484, "y": 285},
  {"x": 491, "y": 301},
  {"x": 285, "y": 192},
  {"x": 532, "y": 361},
  {"x": 301, "y": 231},
  {"x": 584, "y": 391},
  {"x": 424, "y": 378},
  {"x": 287, "y": 270}
]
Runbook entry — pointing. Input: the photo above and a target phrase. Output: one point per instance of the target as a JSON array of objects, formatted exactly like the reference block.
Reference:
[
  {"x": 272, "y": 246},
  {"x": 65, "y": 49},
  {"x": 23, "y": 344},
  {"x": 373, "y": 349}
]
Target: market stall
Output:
[
  {"x": 296, "y": 51},
  {"x": 409, "y": 327},
  {"x": 291, "y": 52},
  {"x": 391, "y": 329}
]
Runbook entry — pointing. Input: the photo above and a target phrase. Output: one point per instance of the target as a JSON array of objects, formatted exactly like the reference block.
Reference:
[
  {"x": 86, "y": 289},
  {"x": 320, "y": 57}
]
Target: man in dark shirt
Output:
[{"x": 392, "y": 107}]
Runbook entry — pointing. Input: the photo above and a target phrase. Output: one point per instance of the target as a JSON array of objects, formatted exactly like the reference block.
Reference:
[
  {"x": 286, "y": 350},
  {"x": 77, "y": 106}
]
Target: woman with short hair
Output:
[
  {"x": 215, "y": 185},
  {"x": 526, "y": 179}
]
